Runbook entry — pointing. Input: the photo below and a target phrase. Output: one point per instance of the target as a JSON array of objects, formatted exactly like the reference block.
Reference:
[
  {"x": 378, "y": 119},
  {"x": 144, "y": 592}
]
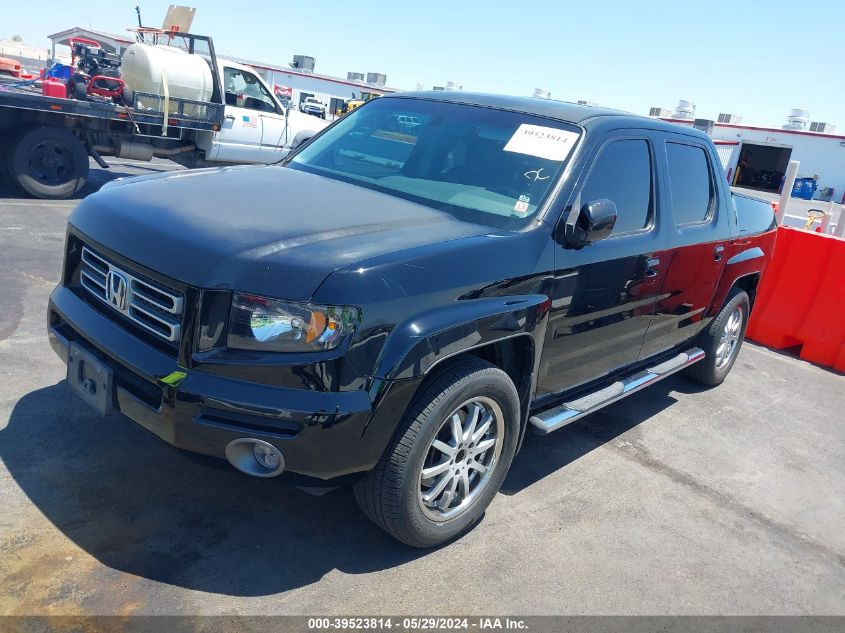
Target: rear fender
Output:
[{"x": 746, "y": 257}]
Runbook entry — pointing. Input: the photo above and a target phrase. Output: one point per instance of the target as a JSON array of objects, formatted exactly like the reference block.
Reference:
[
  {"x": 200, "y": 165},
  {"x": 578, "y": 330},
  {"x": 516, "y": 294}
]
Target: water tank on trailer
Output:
[{"x": 145, "y": 68}]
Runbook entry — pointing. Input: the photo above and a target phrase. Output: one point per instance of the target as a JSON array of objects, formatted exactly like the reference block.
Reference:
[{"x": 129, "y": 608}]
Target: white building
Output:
[{"x": 757, "y": 157}]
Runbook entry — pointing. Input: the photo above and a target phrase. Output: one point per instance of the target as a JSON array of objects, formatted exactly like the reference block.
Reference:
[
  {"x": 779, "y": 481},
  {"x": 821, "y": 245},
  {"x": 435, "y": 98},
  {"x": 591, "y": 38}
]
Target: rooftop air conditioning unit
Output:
[
  {"x": 377, "y": 79},
  {"x": 730, "y": 118},
  {"x": 797, "y": 120},
  {"x": 660, "y": 113},
  {"x": 541, "y": 93},
  {"x": 822, "y": 128},
  {"x": 303, "y": 63},
  {"x": 705, "y": 125},
  {"x": 685, "y": 110},
  {"x": 355, "y": 77}
]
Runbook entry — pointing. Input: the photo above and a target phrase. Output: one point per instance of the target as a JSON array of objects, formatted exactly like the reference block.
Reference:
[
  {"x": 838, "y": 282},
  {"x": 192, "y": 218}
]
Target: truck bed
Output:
[{"x": 147, "y": 109}]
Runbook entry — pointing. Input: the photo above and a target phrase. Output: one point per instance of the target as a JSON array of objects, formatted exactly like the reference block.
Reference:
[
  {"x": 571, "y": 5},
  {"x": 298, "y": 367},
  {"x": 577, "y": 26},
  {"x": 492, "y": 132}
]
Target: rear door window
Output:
[
  {"x": 622, "y": 173},
  {"x": 690, "y": 183}
]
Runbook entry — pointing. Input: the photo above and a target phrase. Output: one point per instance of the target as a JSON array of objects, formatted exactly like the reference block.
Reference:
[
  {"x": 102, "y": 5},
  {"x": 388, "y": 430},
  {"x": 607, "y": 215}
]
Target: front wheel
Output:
[
  {"x": 448, "y": 458},
  {"x": 721, "y": 340}
]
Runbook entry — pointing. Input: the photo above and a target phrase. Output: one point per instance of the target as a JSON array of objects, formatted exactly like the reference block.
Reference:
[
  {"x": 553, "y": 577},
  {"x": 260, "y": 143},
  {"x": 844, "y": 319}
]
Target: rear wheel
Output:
[
  {"x": 48, "y": 162},
  {"x": 721, "y": 340},
  {"x": 448, "y": 457}
]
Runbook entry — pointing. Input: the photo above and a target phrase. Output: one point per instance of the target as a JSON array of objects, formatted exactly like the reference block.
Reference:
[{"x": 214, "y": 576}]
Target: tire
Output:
[
  {"x": 391, "y": 494},
  {"x": 77, "y": 87},
  {"x": 48, "y": 162},
  {"x": 715, "y": 367},
  {"x": 5, "y": 176},
  {"x": 6, "y": 158}
]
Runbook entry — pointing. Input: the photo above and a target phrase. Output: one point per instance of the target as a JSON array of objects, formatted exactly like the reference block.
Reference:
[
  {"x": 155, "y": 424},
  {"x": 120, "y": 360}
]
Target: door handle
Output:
[
  {"x": 719, "y": 252},
  {"x": 230, "y": 117},
  {"x": 651, "y": 265}
]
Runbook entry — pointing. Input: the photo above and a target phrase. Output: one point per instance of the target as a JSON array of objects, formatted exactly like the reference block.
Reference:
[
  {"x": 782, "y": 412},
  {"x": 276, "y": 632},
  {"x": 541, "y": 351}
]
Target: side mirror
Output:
[{"x": 595, "y": 222}]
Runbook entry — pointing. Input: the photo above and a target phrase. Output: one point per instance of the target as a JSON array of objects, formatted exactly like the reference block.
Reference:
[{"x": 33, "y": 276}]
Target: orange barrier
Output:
[{"x": 801, "y": 300}]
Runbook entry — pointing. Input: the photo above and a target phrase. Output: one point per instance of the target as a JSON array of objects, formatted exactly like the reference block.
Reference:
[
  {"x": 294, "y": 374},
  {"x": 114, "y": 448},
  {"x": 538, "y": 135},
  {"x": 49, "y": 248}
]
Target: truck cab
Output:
[{"x": 256, "y": 126}]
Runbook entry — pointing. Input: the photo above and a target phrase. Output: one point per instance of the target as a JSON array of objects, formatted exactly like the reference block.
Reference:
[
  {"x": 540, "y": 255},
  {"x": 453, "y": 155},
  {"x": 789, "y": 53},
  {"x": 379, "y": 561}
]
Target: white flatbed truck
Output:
[{"x": 45, "y": 142}]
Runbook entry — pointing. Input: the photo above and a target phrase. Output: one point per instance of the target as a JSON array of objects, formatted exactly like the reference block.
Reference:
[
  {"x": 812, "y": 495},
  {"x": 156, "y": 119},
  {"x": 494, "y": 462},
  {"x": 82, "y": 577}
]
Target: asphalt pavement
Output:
[{"x": 677, "y": 500}]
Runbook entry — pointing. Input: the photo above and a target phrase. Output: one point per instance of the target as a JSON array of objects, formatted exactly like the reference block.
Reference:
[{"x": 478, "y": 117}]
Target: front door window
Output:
[{"x": 244, "y": 90}]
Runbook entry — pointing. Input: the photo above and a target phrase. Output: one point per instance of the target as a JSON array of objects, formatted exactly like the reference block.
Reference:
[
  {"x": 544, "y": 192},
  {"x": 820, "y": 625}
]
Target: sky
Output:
[{"x": 755, "y": 59}]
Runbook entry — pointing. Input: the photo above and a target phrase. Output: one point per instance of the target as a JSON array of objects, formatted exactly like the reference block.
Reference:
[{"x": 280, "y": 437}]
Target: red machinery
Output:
[{"x": 98, "y": 73}]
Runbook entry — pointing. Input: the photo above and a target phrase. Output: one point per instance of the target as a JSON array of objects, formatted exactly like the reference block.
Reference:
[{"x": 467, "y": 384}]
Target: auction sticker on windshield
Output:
[{"x": 542, "y": 142}]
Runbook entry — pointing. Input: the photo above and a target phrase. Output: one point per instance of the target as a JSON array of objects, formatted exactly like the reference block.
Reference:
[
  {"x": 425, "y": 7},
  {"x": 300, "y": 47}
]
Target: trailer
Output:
[{"x": 46, "y": 141}]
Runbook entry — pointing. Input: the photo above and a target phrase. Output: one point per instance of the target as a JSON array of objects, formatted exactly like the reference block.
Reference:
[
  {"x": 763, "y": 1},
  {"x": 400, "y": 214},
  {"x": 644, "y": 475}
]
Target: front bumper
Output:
[{"x": 320, "y": 433}]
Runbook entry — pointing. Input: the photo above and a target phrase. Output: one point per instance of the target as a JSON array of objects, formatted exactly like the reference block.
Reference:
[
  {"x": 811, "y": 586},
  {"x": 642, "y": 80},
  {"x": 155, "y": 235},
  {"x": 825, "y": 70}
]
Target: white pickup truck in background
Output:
[
  {"x": 180, "y": 102},
  {"x": 314, "y": 107}
]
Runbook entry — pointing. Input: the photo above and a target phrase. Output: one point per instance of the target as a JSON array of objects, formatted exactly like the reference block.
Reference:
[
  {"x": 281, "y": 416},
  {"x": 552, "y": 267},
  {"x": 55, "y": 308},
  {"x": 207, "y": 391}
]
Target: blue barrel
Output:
[
  {"x": 60, "y": 71},
  {"x": 804, "y": 188}
]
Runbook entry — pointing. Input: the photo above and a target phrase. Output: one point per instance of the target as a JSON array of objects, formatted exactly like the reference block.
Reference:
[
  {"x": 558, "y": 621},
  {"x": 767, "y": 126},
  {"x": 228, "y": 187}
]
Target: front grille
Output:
[{"x": 151, "y": 306}]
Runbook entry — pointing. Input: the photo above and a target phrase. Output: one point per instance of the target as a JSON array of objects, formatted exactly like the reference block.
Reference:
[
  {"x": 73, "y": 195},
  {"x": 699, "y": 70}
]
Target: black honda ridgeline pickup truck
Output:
[{"x": 413, "y": 289}]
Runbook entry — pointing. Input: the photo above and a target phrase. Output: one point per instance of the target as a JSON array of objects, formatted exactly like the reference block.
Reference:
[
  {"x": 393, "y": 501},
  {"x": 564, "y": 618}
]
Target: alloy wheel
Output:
[
  {"x": 461, "y": 459},
  {"x": 729, "y": 341}
]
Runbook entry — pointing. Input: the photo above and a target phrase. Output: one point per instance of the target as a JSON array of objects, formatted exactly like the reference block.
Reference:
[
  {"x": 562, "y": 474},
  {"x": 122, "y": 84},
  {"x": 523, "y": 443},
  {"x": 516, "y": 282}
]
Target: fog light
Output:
[
  {"x": 255, "y": 457},
  {"x": 266, "y": 456}
]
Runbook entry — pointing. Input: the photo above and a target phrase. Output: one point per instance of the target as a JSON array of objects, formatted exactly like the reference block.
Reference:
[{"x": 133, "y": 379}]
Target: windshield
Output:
[{"x": 480, "y": 164}]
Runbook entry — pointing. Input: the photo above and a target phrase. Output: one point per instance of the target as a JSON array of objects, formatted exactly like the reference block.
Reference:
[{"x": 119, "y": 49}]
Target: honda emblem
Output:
[{"x": 116, "y": 286}]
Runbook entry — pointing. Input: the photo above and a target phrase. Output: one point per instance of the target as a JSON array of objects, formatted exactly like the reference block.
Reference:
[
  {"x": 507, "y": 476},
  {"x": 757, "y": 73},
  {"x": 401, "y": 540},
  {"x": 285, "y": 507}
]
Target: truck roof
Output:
[
  {"x": 562, "y": 110},
  {"x": 225, "y": 61}
]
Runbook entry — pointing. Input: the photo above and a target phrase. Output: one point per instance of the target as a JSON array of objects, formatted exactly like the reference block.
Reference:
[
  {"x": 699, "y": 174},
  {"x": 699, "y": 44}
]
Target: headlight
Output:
[{"x": 271, "y": 325}]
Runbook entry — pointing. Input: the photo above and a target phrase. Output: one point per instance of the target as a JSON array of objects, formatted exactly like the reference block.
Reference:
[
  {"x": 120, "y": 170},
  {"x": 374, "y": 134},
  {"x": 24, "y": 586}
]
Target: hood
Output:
[{"x": 268, "y": 230}]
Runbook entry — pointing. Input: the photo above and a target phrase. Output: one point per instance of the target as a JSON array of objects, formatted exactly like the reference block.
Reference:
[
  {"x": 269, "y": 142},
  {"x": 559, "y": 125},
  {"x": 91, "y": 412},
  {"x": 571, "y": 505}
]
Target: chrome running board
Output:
[{"x": 568, "y": 412}]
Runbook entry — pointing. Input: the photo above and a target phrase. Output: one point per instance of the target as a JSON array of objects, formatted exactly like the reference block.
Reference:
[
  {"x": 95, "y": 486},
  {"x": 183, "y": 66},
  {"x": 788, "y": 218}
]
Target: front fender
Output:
[{"x": 419, "y": 343}]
